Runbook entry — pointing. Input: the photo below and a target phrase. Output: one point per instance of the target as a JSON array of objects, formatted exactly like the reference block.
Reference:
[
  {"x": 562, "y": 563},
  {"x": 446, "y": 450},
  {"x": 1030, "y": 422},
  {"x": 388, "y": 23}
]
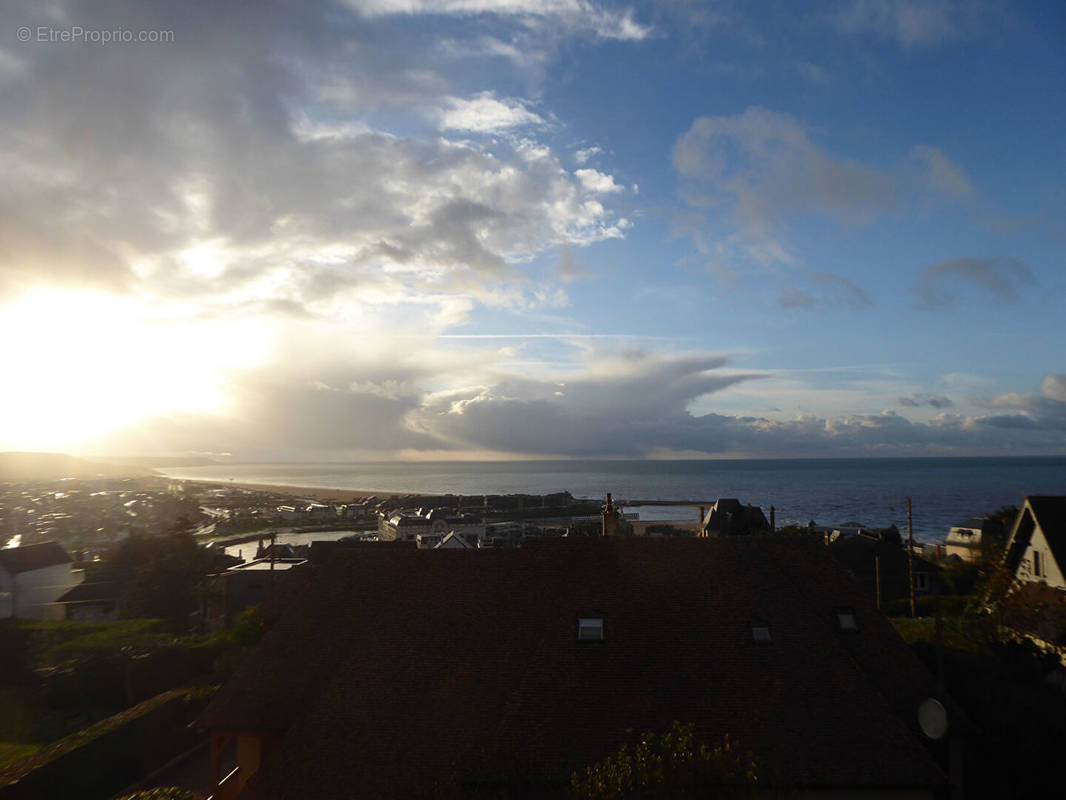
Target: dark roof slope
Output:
[
  {"x": 1050, "y": 512},
  {"x": 90, "y": 592},
  {"x": 33, "y": 556},
  {"x": 411, "y": 673}
]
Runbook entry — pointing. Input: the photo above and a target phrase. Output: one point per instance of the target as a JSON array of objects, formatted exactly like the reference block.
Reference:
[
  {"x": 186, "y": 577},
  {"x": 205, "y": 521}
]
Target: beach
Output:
[{"x": 308, "y": 492}]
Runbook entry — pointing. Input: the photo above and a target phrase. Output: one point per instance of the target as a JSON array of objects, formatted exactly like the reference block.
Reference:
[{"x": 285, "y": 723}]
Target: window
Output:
[
  {"x": 1036, "y": 563},
  {"x": 760, "y": 632},
  {"x": 846, "y": 620},
  {"x": 921, "y": 581},
  {"x": 590, "y": 629}
]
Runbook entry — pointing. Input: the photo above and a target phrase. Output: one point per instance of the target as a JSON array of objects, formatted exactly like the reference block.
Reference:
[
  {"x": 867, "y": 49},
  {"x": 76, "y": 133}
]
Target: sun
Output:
[{"x": 80, "y": 365}]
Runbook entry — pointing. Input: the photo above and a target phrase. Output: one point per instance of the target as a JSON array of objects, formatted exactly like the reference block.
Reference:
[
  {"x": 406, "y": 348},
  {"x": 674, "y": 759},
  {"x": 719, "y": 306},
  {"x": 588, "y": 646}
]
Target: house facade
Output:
[
  {"x": 1036, "y": 549},
  {"x": 33, "y": 577},
  {"x": 969, "y": 539}
]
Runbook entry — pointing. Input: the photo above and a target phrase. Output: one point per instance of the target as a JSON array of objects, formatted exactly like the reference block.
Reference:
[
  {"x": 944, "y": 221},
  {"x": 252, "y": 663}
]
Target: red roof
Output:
[
  {"x": 33, "y": 556},
  {"x": 409, "y": 672}
]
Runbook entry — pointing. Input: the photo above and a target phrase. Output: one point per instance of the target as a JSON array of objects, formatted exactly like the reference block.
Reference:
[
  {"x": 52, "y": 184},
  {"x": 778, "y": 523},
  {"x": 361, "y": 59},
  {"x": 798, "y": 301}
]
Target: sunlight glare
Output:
[{"x": 81, "y": 364}]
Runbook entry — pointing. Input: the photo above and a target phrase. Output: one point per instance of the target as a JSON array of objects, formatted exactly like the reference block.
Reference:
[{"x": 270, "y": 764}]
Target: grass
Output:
[
  {"x": 57, "y": 642},
  {"x": 957, "y": 632},
  {"x": 11, "y": 752}
]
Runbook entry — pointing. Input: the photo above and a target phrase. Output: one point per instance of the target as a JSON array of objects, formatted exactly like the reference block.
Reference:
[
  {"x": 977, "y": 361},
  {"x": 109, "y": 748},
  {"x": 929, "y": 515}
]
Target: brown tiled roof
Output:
[
  {"x": 33, "y": 556},
  {"x": 407, "y": 673}
]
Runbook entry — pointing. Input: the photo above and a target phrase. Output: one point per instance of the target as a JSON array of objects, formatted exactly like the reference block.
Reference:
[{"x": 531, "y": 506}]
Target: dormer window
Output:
[
  {"x": 590, "y": 629},
  {"x": 846, "y": 621},
  {"x": 760, "y": 632}
]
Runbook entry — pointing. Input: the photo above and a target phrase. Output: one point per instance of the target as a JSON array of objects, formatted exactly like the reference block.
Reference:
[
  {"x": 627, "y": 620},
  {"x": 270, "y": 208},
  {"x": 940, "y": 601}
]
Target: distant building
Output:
[
  {"x": 242, "y": 586},
  {"x": 879, "y": 559},
  {"x": 454, "y": 541},
  {"x": 727, "y": 517},
  {"x": 91, "y": 601},
  {"x": 1036, "y": 549},
  {"x": 392, "y": 673},
  {"x": 408, "y": 526},
  {"x": 968, "y": 539},
  {"x": 34, "y": 576}
]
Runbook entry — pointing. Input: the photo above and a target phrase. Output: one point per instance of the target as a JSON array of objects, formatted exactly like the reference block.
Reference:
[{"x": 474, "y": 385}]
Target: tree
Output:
[
  {"x": 160, "y": 576},
  {"x": 668, "y": 765}
]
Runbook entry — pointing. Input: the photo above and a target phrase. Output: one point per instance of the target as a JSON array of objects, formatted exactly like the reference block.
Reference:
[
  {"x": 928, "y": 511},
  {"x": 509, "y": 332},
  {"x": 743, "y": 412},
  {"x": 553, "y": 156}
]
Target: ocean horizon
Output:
[{"x": 829, "y": 491}]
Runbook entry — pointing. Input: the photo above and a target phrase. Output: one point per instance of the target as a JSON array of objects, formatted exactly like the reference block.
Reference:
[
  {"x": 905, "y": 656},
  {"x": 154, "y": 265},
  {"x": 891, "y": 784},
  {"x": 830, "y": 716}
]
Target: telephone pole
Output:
[{"x": 910, "y": 554}]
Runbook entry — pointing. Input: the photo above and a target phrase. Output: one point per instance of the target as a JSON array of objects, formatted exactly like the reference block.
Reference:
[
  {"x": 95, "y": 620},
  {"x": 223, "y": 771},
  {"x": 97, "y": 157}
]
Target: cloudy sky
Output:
[{"x": 526, "y": 228}]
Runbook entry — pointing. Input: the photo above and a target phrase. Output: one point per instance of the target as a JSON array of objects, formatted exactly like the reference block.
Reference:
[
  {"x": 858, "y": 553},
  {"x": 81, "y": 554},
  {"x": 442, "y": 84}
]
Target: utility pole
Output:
[
  {"x": 274, "y": 550},
  {"x": 910, "y": 554},
  {"x": 877, "y": 573}
]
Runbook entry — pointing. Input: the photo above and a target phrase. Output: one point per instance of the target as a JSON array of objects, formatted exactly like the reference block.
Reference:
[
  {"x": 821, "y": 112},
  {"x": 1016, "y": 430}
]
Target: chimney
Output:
[
  {"x": 773, "y": 524},
  {"x": 610, "y": 518}
]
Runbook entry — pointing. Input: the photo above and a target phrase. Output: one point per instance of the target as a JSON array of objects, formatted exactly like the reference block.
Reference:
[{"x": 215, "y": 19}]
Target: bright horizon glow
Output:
[{"x": 88, "y": 363}]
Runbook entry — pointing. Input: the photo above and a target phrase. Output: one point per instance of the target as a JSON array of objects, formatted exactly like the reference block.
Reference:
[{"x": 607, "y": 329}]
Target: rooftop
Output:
[
  {"x": 355, "y": 645},
  {"x": 33, "y": 556}
]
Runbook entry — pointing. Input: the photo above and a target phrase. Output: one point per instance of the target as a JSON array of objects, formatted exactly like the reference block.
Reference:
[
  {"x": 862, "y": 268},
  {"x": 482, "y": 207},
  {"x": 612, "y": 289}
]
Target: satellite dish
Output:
[{"x": 933, "y": 718}]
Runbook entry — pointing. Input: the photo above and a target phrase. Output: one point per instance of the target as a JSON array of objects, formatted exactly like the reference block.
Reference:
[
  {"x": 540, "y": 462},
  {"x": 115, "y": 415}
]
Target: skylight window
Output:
[
  {"x": 590, "y": 629},
  {"x": 846, "y": 620},
  {"x": 760, "y": 632}
]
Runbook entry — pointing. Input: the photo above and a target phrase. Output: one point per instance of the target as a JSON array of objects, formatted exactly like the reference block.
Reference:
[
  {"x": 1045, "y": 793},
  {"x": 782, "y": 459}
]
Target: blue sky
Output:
[{"x": 500, "y": 228}]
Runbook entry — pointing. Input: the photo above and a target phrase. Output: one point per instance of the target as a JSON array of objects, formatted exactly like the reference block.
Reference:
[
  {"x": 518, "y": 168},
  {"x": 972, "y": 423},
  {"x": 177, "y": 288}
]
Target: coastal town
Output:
[{"x": 206, "y": 593}]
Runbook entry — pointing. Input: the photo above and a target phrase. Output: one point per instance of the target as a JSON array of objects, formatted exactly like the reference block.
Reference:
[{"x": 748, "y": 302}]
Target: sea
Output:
[{"x": 871, "y": 492}]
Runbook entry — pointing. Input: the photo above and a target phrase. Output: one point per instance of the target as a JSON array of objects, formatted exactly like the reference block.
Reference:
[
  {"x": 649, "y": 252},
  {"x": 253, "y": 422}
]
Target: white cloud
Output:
[
  {"x": 583, "y": 155},
  {"x": 598, "y": 182},
  {"x": 574, "y": 15},
  {"x": 486, "y": 114}
]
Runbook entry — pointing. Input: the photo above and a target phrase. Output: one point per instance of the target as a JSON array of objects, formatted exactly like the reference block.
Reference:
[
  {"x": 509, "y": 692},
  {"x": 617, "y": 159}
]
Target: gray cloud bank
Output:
[
  {"x": 627, "y": 404},
  {"x": 945, "y": 282}
]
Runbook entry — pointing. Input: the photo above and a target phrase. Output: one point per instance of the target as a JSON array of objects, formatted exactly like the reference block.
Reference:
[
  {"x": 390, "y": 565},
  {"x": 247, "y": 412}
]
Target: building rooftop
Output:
[
  {"x": 33, "y": 556},
  {"x": 448, "y": 670}
]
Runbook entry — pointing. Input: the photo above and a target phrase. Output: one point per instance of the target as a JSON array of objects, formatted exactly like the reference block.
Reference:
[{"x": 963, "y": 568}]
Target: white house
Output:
[
  {"x": 964, "y": 540},
  {"x": 1036, "y": 549},
  {"x": 34, "y": 576}
]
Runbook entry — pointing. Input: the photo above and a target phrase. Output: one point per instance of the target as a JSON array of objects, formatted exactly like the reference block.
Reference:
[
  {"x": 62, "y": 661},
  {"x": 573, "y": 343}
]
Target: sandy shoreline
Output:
[
  {"x": 347, "y": 495},
  {"x": 308, "y": 492}
]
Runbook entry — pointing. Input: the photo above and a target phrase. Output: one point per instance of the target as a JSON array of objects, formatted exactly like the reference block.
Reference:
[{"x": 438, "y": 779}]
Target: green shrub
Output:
[{"x": 667, "y": 765}]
